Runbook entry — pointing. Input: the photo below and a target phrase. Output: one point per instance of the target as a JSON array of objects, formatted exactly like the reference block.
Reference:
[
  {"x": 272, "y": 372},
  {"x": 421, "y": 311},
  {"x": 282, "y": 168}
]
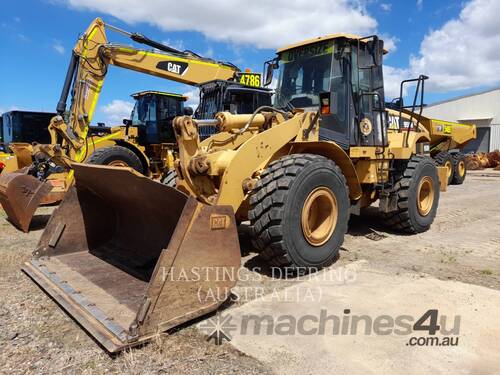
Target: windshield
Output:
[
  {"x": 304, "y": 73},
  {"x": 144, "y": 110}
]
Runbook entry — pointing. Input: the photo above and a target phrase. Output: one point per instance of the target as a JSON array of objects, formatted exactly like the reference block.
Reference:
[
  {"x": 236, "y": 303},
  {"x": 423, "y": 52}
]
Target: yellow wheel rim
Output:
[
  {"x": 425, "y": 196},
  {"x": 461, "y": 168},
  {"x": 449, "y": 168},
  {"x": 118, "y": 163},
  {"x": 319, "y": 216}
]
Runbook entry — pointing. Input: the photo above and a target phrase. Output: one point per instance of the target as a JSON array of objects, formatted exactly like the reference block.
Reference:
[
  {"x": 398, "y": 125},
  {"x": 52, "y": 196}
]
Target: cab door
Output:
[{"x": 370, "y": 119}]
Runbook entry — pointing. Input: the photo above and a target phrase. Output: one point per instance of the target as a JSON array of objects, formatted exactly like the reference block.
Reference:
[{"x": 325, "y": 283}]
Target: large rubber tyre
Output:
[
  {"x": 170, "y": 178},
  {"x": 459, "y": 169},
  {"x": 419, "y": 176},
  {"x": 277, "y": 211},
  {"x": 444, "y": 159},
  {"x": 116, "y": 156}
]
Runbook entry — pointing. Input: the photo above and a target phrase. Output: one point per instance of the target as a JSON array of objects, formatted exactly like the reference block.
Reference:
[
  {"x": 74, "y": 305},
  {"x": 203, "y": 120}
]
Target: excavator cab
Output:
[
  {"x": 153, "y": 114},
  {"x": 228, "y": 96}
]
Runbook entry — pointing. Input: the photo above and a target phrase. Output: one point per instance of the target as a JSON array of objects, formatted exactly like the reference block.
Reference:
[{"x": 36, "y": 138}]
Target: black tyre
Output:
[
  {"x": 117, "y": 156},
  {"x": 417, "y": 195},
  {"x": 459, "y": 169},
  {"x": 444, "y": 159},
  {"x": 170, "y": 178},
  {"x": 299, "y": 211}
]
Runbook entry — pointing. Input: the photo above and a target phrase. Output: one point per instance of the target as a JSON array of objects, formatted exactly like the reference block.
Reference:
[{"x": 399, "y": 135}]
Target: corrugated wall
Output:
[{"x": 495, "y": 137}]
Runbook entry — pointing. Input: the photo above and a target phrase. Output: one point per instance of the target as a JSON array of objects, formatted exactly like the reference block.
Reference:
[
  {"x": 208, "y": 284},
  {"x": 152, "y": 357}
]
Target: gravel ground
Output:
[{"x": 37, "y": 337}]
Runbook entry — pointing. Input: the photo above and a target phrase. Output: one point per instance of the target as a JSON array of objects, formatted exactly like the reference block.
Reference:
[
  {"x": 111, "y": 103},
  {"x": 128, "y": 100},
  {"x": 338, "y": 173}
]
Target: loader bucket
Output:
[
  {"x": 20, "y": 195},
  {"x": 129, "y": 258}
]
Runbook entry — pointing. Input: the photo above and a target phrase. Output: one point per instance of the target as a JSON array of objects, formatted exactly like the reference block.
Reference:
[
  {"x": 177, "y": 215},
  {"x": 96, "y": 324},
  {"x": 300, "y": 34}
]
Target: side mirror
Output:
[
  {"x": 188, "y": 111},
  {"x": 127, "y": 122},
  {"x": 269, "y": 67}
]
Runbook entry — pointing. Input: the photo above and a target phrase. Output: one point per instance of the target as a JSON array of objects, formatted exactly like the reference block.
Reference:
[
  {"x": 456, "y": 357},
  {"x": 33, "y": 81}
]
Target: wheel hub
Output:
[
  {"x": 319, "y": 216},
  {"x": 118, "y": 163},
  {"x": 461, "y": 168},
  {"x": 449, "y": 168},
  {"x": 425, "y": 196}
]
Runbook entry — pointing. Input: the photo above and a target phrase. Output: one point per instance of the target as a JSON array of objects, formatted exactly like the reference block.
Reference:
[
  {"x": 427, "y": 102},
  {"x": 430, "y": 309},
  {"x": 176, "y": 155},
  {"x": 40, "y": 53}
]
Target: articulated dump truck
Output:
[
  {"x": 447, "y": 141},
  {"x": 129, "y": 258}
]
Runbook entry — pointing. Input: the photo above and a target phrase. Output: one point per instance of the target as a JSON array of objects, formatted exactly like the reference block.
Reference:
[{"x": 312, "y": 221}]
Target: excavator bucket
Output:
[
  {"x": 129, "y": 258},
  {"x": 20, "y": 195}
]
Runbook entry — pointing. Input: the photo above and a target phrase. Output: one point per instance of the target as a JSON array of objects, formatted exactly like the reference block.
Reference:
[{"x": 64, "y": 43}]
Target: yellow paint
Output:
[{"x": 94, "y": 100}]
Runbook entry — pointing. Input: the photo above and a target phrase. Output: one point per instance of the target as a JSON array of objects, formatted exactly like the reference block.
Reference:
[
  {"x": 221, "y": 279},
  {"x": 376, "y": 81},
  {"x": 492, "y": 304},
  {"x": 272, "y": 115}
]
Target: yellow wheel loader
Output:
[
  {"x": 130, "y": 258},
  {"x": 50, "y": 174}
]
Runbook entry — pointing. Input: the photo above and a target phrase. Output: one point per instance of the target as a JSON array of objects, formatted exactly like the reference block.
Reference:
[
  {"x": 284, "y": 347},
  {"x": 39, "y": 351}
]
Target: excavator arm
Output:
[
  {"x": 89, "y": 64},
  {"x": 22, "y": 191}
]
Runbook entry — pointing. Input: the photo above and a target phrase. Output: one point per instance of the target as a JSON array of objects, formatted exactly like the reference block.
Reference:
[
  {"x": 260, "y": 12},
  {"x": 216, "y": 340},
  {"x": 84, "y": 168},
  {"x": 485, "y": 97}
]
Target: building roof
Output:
[
  {"x": 322, "y": 38},
  {"x": 463, "y": 96}
]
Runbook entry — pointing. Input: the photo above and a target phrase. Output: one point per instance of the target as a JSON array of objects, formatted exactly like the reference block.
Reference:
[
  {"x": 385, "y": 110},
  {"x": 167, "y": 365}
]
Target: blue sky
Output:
[{"x": 36, "y": 37}]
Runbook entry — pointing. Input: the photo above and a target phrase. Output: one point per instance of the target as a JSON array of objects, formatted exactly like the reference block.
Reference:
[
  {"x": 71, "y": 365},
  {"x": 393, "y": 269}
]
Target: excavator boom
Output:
[{"x": 91, "y": 57}]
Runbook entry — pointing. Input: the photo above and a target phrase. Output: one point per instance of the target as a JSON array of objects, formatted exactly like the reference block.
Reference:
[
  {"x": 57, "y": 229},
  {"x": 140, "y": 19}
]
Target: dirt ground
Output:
[{"x": 37, "y": 337}]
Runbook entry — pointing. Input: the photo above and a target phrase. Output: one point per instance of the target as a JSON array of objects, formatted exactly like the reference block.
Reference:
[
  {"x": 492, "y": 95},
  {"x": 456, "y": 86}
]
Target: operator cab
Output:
[
  {"x": 25, "y": 126},
  {"x": 153, "y": 114},
  {"x": 341, "y": 76},
  {"x": 229, "y": 96}
]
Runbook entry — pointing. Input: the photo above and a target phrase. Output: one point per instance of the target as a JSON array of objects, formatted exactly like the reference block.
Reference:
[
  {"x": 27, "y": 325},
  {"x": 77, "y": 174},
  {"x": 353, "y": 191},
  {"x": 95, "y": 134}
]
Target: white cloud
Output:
[
  {"x": 392, "y": 80},
  {"x": 386, "y": 7},
  {"x": 420, "y": 4},
  {"x": 193, "y": 98},
  {"x": 265, "y": 24},
  {"x": 58, "y": 47},
  {"x": 116, "y": 111},
  {"x": 389, "y": 42},
  {"x": 463, "y": 53}
]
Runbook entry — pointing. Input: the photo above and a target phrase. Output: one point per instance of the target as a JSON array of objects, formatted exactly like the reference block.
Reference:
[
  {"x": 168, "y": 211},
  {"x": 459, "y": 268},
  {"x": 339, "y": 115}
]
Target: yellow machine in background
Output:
[
  {"x": 9, "y": 162},
  {"x": 145, "y": 257},
  {"x": 447, "y": 141},
  {"x": 49, "y": 176}
]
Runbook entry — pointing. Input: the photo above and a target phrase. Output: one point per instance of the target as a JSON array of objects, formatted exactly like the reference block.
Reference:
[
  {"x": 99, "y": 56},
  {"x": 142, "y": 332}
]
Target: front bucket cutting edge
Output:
[
  {"x": 129, "y": 258},
  {"x": 20, "y": 195}
]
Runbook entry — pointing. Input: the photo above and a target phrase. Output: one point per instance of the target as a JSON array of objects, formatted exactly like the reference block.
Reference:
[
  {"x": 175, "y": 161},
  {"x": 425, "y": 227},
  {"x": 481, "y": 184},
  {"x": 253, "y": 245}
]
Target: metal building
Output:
[{"x": 482, "y": 109}]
